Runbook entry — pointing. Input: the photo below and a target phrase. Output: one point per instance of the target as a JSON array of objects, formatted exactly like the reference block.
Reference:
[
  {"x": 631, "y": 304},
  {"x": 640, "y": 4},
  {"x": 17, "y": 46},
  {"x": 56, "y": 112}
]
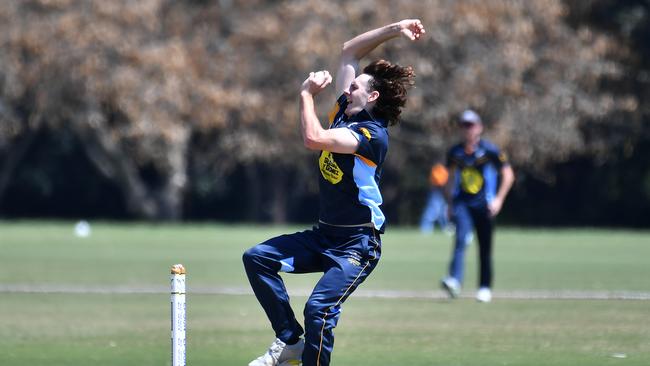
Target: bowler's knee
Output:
[
  {"x": 314, "y": 309},
  {"x": 252, "y": 256}
]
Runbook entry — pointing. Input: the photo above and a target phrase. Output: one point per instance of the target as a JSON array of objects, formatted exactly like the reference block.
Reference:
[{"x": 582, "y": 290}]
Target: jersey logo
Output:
[
  {"x": 329, "y": 169},
  {"x": 365, "y": 132},
  {"x": 471, "y": 180}
]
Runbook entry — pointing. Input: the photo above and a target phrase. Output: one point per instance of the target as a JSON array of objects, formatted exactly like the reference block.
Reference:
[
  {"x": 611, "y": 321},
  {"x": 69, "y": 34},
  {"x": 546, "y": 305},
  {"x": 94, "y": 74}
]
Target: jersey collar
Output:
[{"x": 366, "y": 116}]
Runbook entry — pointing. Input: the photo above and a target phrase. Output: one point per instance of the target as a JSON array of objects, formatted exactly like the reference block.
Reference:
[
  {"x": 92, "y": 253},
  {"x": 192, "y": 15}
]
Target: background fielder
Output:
[{"x": 480, "y": 179}]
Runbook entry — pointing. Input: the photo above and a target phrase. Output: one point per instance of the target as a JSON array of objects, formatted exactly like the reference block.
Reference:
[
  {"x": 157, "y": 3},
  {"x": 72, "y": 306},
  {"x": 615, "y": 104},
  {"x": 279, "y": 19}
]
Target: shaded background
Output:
[{"x": 187, "y": 109}]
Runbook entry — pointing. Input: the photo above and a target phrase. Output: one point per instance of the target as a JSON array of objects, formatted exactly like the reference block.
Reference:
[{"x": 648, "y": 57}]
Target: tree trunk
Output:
[
  {"x": 170, "y": 198},
  {"x": 110, "y": 159}
]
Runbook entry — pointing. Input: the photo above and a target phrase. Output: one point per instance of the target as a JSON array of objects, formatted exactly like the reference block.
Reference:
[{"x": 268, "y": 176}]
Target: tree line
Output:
[{"x": 170, "y": 110}]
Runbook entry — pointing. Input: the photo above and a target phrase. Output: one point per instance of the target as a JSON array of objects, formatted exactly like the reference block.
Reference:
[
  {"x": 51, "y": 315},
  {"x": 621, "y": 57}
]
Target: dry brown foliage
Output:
[{"x": 153, "y": 82}]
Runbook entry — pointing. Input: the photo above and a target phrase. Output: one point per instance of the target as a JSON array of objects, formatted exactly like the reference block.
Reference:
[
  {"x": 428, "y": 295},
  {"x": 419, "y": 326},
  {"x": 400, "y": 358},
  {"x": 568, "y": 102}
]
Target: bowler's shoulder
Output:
[{"x": 371, "y": 129}]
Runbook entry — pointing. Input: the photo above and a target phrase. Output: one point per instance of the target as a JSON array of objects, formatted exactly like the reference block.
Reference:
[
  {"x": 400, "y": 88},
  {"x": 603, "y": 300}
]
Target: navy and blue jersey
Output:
[
  {"x": 476, "y": 176},
  {"x": 349, "y": 183}
]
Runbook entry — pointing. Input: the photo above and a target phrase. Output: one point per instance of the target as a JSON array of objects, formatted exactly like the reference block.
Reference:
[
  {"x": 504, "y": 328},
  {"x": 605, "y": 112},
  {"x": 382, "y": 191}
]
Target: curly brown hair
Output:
[{"x": 392, "y": 82}]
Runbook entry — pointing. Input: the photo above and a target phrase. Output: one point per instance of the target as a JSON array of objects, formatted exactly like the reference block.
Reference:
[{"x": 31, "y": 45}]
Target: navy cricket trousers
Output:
[
  {"x": 466, "y": 217},
  {"x": 345, "y": 261}
]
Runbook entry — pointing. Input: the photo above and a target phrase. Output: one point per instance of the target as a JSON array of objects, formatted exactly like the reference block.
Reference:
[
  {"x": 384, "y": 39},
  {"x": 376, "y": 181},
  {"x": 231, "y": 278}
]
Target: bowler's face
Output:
[{"x": 357, "y": 94}]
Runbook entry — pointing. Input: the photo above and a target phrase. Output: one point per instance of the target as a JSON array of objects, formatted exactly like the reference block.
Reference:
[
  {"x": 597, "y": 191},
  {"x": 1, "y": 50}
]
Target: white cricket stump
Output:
[{"x": 179, "y": 319}]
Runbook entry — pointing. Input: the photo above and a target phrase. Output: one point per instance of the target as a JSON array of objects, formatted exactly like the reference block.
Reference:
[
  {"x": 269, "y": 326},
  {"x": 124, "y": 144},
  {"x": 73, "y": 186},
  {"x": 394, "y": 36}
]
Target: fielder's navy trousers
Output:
[
  {"x": 345, "y": 260},
  {"x": 465, "y": 217}
]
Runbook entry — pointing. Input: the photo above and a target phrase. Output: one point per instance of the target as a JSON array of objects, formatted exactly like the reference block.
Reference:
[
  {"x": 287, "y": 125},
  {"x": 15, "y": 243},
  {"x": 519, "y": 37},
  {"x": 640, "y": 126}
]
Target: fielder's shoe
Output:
[
  {"x": 452, "y": 286},
  {"x": 281, "y": 354},
  {"x": 484, "y": 295}
]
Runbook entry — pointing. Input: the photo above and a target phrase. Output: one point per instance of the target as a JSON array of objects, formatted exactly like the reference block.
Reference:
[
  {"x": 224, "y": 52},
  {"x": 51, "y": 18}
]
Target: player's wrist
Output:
[
  {"x": 305, "y": 93},
  {"x": 395, "y": 27}
]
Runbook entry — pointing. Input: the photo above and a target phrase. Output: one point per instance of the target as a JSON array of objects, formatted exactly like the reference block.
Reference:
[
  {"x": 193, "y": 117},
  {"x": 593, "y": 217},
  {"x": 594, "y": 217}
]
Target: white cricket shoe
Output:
[
  {"x": 281, "y": 354},
  {"x": 484, "y": 295},
  {"x": 451, "y": 285}
]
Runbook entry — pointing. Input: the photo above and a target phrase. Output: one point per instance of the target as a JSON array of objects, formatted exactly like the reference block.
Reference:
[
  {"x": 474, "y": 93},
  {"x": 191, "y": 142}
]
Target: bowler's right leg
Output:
[{"x": 263, "y": 262}]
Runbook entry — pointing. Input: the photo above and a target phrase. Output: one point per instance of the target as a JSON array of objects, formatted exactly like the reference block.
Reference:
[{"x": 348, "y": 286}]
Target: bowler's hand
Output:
[
  {"x": 495, "y": 207},
  {"x": 316, "y": 82},
  {"x": 411, "y": 29}
]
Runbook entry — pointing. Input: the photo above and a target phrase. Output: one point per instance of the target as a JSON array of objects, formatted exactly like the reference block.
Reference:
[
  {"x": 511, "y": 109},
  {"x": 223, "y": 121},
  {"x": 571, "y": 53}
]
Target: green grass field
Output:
[{"x": 78, "y": 327}]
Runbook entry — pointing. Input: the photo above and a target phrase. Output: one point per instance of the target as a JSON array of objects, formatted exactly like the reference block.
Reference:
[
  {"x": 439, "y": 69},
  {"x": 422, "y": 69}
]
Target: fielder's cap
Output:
[{"x": 469, "y": 116}]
